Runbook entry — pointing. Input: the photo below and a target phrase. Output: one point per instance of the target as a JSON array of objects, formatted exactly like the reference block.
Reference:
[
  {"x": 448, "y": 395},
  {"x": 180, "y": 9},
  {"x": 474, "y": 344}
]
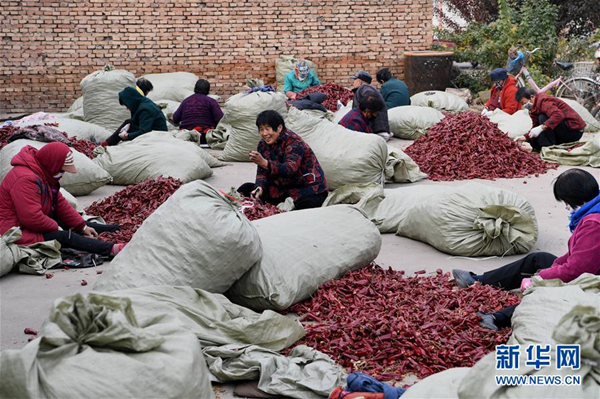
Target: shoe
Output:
[
  {"x": 104, "y": 143},
  {"x": 487, "y": 321},
  {"x": 463, "y": 278},
  {"x": 116, "y": 249}
]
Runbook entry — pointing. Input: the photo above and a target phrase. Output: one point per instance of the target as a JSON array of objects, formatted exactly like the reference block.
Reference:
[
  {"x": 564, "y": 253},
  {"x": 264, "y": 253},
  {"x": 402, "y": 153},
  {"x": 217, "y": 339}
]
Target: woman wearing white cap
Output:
[{"x": 30, "y": 199}]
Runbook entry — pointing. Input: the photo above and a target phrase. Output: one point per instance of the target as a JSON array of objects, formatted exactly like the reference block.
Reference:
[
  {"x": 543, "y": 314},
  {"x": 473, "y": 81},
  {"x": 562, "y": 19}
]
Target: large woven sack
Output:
[
  {"x": 515, "y": 125},
  {"x": 443, "y": 385},
  {"x": 551, "y": 313},
  {"x": 9, "y": 253},
  {"x": 400, "y": 168},
  {"x": 101, "y": 97},
  {"x": 75, "y": 128},
  {"x": 469, "y": 220},
  {"x": 592, "y": 124},
  {"x": 546, "y": 303},
  {"x": 77, "y": 104},
  {"x": 173, "y": 86},
  {"x": 439, "y": 100},
  {"x": 347, "y": 157},
  {"x": 152, "y": 155},
  {"x": 285, "y": 64},
  {"x": 411, "y": 122},
  {"x": 301, "y": 251},
  {"x": 196, "y": 238},
  {"x": 88, "y": 178},
  {"x": 107, "y": 346},
  {"x": 239, "y": 122},
  {"x": 574, "y": 154}
]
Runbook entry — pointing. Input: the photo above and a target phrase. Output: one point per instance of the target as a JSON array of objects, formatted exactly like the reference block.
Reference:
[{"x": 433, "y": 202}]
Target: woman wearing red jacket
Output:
[
  {"x": 30, "y": 199},
  {"x": 580, "y": 192},
  {"x": 503, "y": 93}
]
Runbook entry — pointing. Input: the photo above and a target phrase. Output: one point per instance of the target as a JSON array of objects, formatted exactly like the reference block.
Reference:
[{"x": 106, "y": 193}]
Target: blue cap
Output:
[{"x": 499, "y": 74}]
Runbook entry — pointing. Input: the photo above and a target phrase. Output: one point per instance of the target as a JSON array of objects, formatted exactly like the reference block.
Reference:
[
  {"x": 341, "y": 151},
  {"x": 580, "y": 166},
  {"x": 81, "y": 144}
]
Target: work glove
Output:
[
  {"x": 526, "y": 283},
  {"x": 486, "y": 112},
  {"x": 536, "y": 131}
]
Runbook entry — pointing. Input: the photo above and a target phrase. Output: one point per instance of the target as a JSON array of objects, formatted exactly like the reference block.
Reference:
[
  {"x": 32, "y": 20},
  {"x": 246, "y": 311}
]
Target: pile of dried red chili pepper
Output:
[
  {"x": 333, "y": 92},
  {"x": 387, "y": 325},
  {"x": 85, "y": 147},
  {"x": 5, "y": 133},
  {"x": 254, "y": 210},
  {"x": 132, "y": 205},
  {"x": 468, "y": 146}
]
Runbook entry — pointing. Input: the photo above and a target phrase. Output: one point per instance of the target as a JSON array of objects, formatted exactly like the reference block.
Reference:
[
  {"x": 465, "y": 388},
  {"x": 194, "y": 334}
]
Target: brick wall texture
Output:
[{"x": 49, "y": 46}]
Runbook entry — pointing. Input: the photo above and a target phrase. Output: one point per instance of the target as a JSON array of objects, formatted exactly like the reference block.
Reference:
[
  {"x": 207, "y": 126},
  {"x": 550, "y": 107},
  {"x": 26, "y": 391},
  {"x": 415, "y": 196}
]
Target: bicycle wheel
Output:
[
  {"x": 583, "y": 90},
  {"x": 596, "y": 112}
]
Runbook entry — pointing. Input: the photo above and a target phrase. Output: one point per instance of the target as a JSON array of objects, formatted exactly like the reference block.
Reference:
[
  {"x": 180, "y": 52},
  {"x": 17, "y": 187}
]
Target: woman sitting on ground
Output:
[
  {"x": 199, "y": 112},
  {"x": 145, "y": 117},
  {"x": 30, "y": 199},
  {"x": 580, "y": 192},
  {"x": 287, "y": 167}
]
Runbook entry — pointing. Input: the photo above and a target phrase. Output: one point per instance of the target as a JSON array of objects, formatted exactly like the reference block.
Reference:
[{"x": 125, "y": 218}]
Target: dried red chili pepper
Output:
[
  {"x": 49, "y": 275},
  {"x": 85, "y": 147},
  {"x": 333, "y": 92},
  {"x": 30, "y": 331},
  {"x": 132, "y": 205},
  {"x": 468, "y": 146},
  {"x": 398, "y": 325},
  {"x": 83, "y": 282}
]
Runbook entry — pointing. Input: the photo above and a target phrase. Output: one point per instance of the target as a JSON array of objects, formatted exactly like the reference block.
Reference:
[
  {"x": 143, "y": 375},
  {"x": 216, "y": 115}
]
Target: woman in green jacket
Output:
[{"x": 145, "y": 117}]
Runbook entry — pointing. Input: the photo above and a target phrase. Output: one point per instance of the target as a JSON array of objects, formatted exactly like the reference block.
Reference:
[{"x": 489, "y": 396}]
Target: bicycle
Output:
[
  {"x": 584, "y": 88},
  {"x": 522, "y": 71}
]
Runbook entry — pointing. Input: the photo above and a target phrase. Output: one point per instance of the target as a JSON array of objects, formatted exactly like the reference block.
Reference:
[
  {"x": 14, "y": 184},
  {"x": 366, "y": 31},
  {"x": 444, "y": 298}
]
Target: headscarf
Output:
[{"x": 302, "y": 70}]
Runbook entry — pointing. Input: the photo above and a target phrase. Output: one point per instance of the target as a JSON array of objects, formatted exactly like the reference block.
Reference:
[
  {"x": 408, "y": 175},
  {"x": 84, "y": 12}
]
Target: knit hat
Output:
[
  {"x": 499, "y": 74},
  {"x": 69, "y": 165}
]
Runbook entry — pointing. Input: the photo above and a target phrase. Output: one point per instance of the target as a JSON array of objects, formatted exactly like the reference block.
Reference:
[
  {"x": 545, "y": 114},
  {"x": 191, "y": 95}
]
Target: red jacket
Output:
[
  {"x": 29, "y": 196},
  {"x": 557, "y": 111},
  {"x": 508, "y": 101},
  {"x": 583, "y": 255}
]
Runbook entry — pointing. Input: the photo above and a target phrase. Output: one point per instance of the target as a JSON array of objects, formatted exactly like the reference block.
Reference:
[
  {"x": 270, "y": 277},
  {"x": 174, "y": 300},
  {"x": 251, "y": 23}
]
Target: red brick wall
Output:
[{"x": 49, "y": 46}]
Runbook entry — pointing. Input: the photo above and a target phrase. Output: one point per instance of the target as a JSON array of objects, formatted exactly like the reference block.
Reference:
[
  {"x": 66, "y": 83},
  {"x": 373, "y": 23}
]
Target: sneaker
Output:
[
  {"x": 487, "y": 321},
  {"x": 463, "y": 278},
  {"x": 104, "y": 143},
  {"x": 116, "y": 249}
]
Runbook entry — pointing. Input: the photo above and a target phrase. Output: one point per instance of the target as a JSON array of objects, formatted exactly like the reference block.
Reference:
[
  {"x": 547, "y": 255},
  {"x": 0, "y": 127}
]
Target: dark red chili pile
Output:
[
  {"x": 5, "y": 133},
  {"x": 253, "y": 210},
  {"x": 468, "y": 146},
  {"x": 333, "y": 92},
  {"x": 132, "y": 205},
  {"x": 387, "y": 325},
  {"x": 85, "y": 147}
]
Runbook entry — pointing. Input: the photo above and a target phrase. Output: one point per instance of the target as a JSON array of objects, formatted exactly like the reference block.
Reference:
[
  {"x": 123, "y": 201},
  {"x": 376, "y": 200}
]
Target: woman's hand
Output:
[
  {"x": 258, "y": 159},
  {"x": 90, "y": 232}
]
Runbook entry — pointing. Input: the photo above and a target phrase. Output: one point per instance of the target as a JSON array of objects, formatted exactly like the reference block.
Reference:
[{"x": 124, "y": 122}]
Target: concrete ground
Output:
[{"x": 25, "y": 300}]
